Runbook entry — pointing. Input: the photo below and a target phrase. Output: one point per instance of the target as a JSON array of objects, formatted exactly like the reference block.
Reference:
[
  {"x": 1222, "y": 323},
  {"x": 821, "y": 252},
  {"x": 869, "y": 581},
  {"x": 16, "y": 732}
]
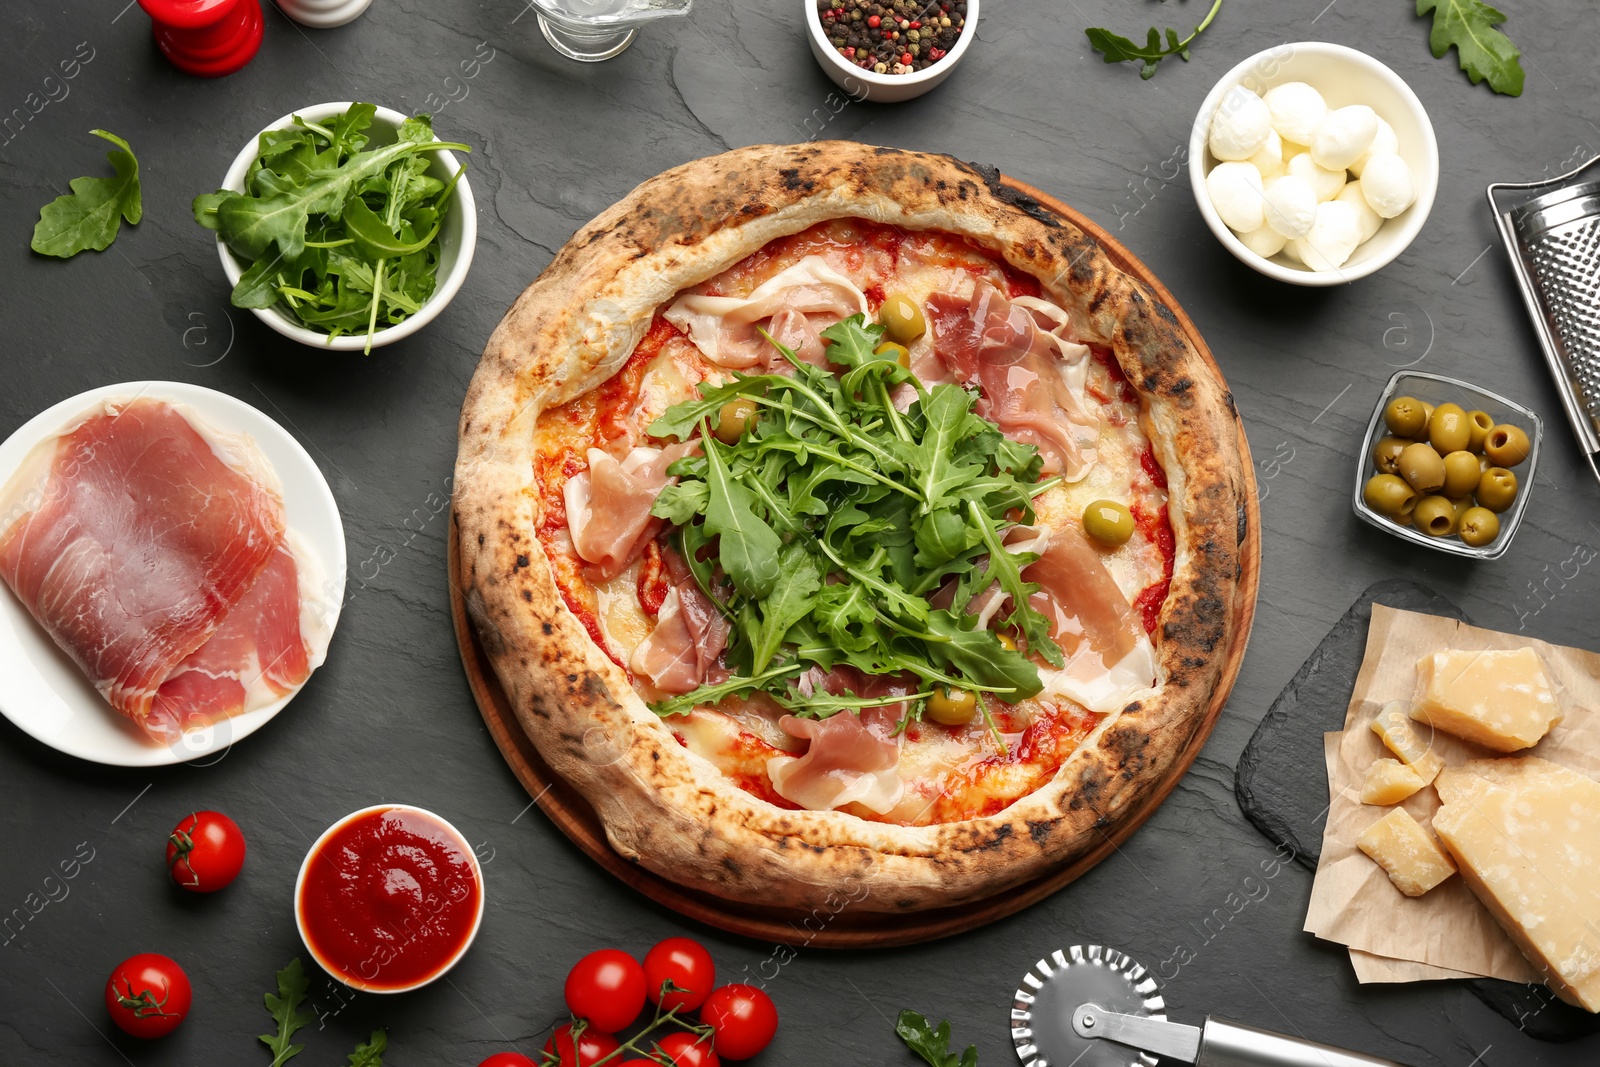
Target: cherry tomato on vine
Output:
[
  {"x": 744, "y": 1019},
  {"x": 607, "y": 988},
  {"x": 508, "y": 1059},
  {"x": 592, "y": 1046},
  {"x": 684, "y": 963},
  {"x": 148, "y": 995},
  {"x": 689, "y": 1050},
  {"x": 205, "y": 852}
]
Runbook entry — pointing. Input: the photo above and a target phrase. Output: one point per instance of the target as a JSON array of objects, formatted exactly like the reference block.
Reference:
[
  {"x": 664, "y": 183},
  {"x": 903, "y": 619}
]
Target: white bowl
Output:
[
  {"x": 883, "y": 88},
  {"x": 1343, "y": 76},
  {"x": 458, "y": 235},
  {"x": 316, "y": 847}
]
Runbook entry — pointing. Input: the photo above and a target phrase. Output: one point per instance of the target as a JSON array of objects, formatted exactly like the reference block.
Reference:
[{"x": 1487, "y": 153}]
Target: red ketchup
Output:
[{"x": 389, "y": 899}]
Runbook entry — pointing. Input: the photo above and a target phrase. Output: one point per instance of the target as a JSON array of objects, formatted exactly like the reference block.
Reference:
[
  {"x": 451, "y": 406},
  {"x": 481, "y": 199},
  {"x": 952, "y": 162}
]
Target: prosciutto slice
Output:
[
  {"x": 683, "y": 650},
  {"x": 608, "y": 506},
  {"x": 723, "y": 328},
  {"x": 1031, "y": 377},
  {"x": 155, "y": 556},
  {"x": 850, "y": 759}
]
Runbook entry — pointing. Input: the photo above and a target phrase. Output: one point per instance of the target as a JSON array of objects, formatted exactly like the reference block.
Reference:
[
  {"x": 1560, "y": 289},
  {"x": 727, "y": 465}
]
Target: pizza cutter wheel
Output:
[{"x": 1089, "y": 1006}]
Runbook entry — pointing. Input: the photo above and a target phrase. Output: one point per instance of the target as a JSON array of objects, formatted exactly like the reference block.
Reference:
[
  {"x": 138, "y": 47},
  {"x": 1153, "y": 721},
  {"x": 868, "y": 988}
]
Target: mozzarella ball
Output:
[
  {"x": 1291, "y": 252},
  {"x": 1290, "y": 206},
  {"x": 1235, "y": 191},
  {"x": 1343, "y": 136},
  {"x": 1265, "y": 242},
  {"x": 1240, "y": 125},
  {"x": 1333, "y": 236},
  {"x": 1370, "y": 219},
  {"x": 1387, "y": 184},
  {"x": 1325, "y": 183},
  {"x": 1290, "y": 150},
  {"x": 1384, "y": 142},
  {"x": 1268, "y": 159},
  {"x": 1296, "y": 109}
]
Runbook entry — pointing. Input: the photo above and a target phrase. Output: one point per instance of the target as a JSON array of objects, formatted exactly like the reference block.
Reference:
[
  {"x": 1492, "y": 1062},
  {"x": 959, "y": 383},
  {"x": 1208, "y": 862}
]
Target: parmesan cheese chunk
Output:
[
  {"x": 1389, "y": 782},
  {"x": 1401, "y": 737},
  {"x": 1526, "y": 833},
  {"x": 1500, "y": 699},
  {"x": 1412, "y": 859}
]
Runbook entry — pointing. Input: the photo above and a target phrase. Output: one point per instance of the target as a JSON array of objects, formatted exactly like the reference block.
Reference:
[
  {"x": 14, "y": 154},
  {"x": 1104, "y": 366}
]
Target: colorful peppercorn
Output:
[{"x": 894, "y": 37}]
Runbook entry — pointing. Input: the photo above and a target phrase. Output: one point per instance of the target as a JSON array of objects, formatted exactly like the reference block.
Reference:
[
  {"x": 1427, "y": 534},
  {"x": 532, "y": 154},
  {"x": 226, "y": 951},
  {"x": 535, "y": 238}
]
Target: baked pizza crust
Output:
[{"x": 672, "y": 811}]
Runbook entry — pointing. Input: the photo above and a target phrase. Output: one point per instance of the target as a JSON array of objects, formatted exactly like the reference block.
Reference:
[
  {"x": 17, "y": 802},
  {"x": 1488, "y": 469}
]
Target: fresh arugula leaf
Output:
[
  {"x": 800, "y": 576},
  {"x": 1485, "y": 53},
  {"x": 853, "y": 341},
  {"x": 371, "y": 1053},
  {"x": 748, "y": 547},
  {"x": 91, "y": 215},
  {"x": 286, "y": 1010},
  {"x": 1118, "y": 49},
  {"x": 931, "y": 1042}
]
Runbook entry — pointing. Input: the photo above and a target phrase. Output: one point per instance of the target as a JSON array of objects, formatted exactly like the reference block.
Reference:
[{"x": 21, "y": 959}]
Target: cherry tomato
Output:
[
  {"x": 508, "y": 1059},
  {"x": 593, "y": 1046},
  {"x": 689, "y": 1050},
  {"x": 744, "y": 1019},
  {"x": 684, "y": 963},
  {"x": 607, "y": 988},
  {"x": 205, "y": 852},
  {"x": 148, "y": 995}
]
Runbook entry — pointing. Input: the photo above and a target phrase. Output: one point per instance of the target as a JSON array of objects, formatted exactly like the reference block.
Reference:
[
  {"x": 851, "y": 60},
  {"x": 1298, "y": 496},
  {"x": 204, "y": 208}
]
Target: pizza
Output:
[{"x": 838, "y": 516}]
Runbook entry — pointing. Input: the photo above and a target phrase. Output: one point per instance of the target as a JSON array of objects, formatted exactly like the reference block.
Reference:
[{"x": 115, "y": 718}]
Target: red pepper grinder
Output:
[{"x": 208, "y": 38}]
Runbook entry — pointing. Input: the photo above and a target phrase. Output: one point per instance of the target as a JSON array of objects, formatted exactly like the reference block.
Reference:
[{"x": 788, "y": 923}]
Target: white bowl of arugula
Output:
[{"x": 344, "y": 225}]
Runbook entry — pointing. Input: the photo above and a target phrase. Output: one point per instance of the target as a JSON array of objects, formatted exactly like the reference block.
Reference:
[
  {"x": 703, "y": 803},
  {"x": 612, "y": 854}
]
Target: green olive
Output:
[
  {"x": 1108, "y": 522},
  {"x": 1388, "y": 494},
  {"x": 952, "y": 707},
  {"x": 902, "y": 318},
  {"x": 1435, "y": 516},
  {"x": 1479, "y": 526},
  {"x": 1404, "y": 416},
  {"x": 901, "y": 354},
  {"x": 1448, "y": 429},
  {"x": 1461, "y": 474},
  {"x": 1387, "y": 451},
  {"x": 1480, "y": 423},
  {"x": 1420, "y": 465},
  {"x": 1497, "y": 489},
  {"x": 1506, "y": 445},
  {"x": 735, "y": 418},
  {"x": 1427, "y": 417},
  {"x": 1007, "y": 642}
]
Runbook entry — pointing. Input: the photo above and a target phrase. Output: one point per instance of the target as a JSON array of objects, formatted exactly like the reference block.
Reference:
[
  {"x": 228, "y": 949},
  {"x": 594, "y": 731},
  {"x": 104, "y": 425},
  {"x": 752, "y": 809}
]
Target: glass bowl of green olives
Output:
[{"x": 1447, "y": 465}]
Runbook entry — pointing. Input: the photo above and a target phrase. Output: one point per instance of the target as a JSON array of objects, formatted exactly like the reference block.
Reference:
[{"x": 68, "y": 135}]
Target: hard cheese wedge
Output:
[
  {"x": 1394, "y": 727},
  {"x": 1389, "y": 782},
  {"x": 1499, "y": 698},
  {"x": 1413, "y": 860},
  {"x": 1526, "y": 833}
]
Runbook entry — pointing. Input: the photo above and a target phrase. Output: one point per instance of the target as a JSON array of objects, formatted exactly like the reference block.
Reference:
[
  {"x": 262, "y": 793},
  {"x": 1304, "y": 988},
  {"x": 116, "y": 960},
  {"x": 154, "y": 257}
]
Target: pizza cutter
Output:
[{"x": 1089, "y": 1006}]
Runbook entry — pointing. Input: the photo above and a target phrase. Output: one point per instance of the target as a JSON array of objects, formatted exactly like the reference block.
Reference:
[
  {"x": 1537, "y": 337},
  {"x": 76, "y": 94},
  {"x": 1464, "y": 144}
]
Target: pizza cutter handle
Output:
[{"x": 1226, "y": 1044}]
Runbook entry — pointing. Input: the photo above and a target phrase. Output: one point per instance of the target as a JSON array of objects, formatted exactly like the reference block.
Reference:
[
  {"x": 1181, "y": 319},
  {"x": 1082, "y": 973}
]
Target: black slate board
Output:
[{"x": 1270, "y": 779}]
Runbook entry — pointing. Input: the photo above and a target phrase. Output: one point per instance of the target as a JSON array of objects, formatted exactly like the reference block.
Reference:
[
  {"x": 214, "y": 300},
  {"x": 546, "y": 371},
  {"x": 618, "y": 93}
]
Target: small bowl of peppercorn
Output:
[{"x": 889, "y": 50}]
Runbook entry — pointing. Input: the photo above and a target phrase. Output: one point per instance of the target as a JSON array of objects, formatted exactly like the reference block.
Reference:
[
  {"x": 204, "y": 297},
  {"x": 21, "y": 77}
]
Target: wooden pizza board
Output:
[{"x": 847, "y": 929}]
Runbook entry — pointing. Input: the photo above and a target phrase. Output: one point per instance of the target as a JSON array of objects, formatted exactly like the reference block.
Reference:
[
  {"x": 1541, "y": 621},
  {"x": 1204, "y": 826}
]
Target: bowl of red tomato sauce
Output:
[{"x": 389, "y": 898}]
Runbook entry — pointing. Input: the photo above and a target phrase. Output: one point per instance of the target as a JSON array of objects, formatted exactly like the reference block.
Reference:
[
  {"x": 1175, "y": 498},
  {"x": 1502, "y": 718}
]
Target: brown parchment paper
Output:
[{"x": 1393, "y": 937}]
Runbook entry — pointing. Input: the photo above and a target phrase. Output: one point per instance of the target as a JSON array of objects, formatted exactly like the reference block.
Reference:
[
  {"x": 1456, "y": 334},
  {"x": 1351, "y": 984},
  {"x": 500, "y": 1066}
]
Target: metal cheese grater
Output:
[{"x": 1551, "y": 230}]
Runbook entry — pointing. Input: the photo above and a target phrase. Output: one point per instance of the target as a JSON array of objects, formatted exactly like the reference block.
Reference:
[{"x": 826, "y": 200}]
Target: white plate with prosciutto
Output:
[{"x": 173, "y": 566}]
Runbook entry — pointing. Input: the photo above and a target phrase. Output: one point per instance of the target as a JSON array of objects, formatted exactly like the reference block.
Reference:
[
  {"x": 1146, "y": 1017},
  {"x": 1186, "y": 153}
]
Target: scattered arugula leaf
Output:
[
  {"x": 1486, "y": 54},
  {"x": 338, "y": 234},
  {"x": 1117, "y": 49},
  {"x": 91, "y": 215},
  {"x": 371, "y": 1053},
  {"x": 286, "y": 1010},
  {"x": 837, "y": 519},
  {"x": 931, "y": 1042}
]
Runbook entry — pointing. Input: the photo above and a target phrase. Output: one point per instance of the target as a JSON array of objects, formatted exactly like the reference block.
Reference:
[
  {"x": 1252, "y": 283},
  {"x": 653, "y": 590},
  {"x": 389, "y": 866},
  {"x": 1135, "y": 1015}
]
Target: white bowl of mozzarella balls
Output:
[{"x": 1313, "y": 163}]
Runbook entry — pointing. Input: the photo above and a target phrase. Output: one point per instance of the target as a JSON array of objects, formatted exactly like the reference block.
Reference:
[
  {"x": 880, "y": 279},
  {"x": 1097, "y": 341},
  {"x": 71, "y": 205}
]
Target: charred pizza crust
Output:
[{"x": 672, "y": 811}]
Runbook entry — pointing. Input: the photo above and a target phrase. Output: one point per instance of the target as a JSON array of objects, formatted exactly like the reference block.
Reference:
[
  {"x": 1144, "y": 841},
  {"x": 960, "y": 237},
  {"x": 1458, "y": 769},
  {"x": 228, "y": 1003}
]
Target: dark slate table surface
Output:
[{"x": 390, "y": 718}]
